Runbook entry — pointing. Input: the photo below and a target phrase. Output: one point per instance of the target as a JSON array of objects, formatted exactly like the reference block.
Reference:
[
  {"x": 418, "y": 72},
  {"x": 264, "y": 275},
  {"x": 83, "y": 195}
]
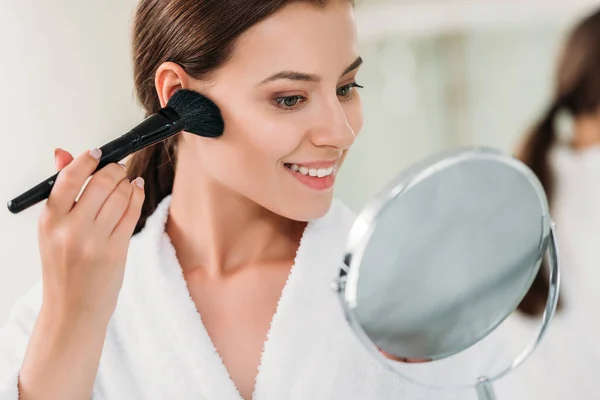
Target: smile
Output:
[
  {"x": 314, "y": 172},
  {"x": 318, "y": 175}
]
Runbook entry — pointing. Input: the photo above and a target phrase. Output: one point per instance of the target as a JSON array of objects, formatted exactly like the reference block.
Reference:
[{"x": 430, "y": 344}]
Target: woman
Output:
[
  {"x": 224, "y": 290},
  {"x": 568, "y": 166}
]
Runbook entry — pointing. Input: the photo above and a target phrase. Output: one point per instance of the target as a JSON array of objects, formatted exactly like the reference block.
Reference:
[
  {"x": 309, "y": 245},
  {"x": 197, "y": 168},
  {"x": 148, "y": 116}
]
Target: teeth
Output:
[
  {"x": 322, "y": 172},
  {"x": 316, "y": 172}
]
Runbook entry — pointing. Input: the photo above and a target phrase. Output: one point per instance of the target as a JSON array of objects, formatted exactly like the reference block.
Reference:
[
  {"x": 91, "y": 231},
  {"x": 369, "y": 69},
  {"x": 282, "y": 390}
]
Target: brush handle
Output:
[{"x": 153, "y": 129}]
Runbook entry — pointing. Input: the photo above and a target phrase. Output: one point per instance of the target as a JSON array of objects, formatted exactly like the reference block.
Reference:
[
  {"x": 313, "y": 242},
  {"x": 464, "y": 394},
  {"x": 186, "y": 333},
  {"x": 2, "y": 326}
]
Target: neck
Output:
[
  {"x": 587, "y": 132},
  {"x": 214, "y": 229}
]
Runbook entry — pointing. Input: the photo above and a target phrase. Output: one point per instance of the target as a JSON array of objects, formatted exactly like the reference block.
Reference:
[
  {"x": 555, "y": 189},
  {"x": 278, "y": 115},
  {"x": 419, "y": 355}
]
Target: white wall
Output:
[{"x": 66, "y": 82}]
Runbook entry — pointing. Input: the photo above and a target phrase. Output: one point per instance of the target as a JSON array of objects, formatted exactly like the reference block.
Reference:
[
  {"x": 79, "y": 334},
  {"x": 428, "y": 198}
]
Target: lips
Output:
[{"x": 315, "y": 175}]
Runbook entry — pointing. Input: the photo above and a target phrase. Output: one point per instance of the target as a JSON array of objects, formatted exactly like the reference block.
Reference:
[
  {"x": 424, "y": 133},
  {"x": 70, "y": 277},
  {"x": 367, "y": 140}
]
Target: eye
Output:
[
  {"x": 288, "y": 102},
  {"x": 346, "y": 90}
]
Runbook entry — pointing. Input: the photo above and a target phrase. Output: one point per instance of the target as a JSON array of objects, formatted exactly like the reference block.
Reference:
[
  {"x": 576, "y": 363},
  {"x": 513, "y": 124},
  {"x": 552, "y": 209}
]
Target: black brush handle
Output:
[{"x": 153, "y": 129}]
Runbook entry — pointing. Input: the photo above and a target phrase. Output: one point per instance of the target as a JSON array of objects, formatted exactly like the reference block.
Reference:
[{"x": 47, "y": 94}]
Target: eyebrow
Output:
[{"x": 300, "y": 76}]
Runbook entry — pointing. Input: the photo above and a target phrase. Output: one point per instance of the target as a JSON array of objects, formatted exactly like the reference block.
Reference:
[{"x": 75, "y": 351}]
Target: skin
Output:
[{"x": 83, "y": 247}]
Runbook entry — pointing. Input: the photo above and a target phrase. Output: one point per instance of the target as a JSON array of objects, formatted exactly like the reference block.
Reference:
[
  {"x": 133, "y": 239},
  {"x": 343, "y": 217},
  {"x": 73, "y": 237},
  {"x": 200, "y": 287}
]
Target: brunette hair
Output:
[
  {"x": 577, "y": 92},
  {"x": 198, "y": 35}
]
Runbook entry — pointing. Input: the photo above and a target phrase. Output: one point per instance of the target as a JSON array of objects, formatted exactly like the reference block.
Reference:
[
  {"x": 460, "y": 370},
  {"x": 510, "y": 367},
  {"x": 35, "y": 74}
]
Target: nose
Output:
[{"x": 332, "y": 128}]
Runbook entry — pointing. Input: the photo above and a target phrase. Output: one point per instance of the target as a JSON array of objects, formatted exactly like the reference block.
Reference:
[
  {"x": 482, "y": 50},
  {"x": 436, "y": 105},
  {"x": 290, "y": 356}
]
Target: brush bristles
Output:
[{"x": 199, "y": 114}]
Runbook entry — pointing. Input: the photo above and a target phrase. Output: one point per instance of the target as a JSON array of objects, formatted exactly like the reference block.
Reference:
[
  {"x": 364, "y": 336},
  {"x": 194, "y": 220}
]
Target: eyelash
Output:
[{"x": 279, "y": 101}]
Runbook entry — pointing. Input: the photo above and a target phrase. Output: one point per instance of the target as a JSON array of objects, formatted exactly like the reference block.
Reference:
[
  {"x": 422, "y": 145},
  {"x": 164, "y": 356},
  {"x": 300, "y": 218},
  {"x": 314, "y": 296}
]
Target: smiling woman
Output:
[
  {"x": 287, "y": 91},
  {"x": 223, "y": 291}
]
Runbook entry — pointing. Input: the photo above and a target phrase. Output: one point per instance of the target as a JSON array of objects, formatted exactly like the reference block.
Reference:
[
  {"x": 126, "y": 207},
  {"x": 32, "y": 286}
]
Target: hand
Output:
[
  {"x": 404, "y": 359},
  {"x": 84, "y": 243}
]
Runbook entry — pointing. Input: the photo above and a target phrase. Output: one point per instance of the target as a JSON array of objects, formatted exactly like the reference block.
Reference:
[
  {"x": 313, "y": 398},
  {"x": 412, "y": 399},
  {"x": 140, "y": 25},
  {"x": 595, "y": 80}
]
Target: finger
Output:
[
  {"x": 98, "y": 189},
  {"x": 114, "y": 208},
  {"x": 62, "y": 158},
  {"x": 126, "y": 225},
  {"x": 404, "y": 359},
  {"x": 69, "y": 182}
]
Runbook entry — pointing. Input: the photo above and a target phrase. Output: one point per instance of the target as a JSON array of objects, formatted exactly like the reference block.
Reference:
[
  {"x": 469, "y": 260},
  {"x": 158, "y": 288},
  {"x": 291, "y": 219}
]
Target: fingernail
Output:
[
  {"x": 96, "y": 153},
  {"x": 139, "y": 182},
  {"x": 56, "y": 150},
  {"x": 123, "y": 166}
]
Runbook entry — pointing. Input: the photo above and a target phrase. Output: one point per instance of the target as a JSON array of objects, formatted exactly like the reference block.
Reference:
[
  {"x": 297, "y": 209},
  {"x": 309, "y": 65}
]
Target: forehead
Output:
[{"x": 300, "y": 37}]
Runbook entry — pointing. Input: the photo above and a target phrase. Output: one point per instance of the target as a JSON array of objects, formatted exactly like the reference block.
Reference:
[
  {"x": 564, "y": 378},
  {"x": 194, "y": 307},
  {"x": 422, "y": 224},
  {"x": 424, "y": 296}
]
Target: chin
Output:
[{"x": 307, "y": 210}]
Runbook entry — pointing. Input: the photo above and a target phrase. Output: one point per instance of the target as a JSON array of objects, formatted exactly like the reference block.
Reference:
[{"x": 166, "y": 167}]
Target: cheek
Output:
[
  {"x": 252, "y": 146},
  {"x": 279, "y": 139},
  {"x": 269, "y": 137}
]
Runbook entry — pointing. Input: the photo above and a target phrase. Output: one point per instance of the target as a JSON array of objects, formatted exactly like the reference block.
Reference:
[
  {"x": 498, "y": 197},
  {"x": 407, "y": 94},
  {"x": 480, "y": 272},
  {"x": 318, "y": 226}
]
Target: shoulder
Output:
[{"x": 151, "y": 234}]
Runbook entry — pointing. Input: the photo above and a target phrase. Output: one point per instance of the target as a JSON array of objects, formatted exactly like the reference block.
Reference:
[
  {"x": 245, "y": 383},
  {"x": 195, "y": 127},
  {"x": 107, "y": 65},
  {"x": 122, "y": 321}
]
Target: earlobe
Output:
[{"x": 169, "y": 78}]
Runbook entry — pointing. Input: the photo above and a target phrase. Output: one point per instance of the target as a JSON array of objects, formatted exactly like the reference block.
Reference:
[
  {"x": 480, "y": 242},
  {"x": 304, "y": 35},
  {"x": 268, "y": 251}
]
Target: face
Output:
[{"x": 291, "y": 108}]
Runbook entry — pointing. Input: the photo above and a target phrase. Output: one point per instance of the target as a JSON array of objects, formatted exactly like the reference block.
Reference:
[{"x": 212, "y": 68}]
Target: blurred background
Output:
[
  {"x": 447, "y": 73},
  {"x": 437, "y": 74}
]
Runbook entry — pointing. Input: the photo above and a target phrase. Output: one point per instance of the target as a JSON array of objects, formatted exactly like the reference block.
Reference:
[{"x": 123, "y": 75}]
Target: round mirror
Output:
[{"x": 444, "y": 255}]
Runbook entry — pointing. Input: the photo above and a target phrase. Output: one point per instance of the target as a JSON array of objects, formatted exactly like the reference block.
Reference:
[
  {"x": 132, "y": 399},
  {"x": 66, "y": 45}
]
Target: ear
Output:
[{"x": 169, "y": 78}]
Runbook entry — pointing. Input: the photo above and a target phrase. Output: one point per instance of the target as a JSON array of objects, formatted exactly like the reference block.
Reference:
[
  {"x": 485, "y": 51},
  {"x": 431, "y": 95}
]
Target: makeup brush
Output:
[{"x": 187, "y": 111}]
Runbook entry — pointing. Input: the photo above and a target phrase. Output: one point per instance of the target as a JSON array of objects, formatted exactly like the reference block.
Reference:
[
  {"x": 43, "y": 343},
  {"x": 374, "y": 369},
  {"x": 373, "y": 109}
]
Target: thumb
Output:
[{"x": 62, "y": 158}]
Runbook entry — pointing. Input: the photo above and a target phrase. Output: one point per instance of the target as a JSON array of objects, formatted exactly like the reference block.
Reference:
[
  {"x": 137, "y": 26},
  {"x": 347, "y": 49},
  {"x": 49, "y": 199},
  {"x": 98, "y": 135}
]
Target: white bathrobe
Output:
[{"x": 157, "y": 347}]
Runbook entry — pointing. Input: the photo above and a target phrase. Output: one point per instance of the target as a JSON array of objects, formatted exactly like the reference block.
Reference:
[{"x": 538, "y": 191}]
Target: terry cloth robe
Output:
[{"x": 156, "y": 346}]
